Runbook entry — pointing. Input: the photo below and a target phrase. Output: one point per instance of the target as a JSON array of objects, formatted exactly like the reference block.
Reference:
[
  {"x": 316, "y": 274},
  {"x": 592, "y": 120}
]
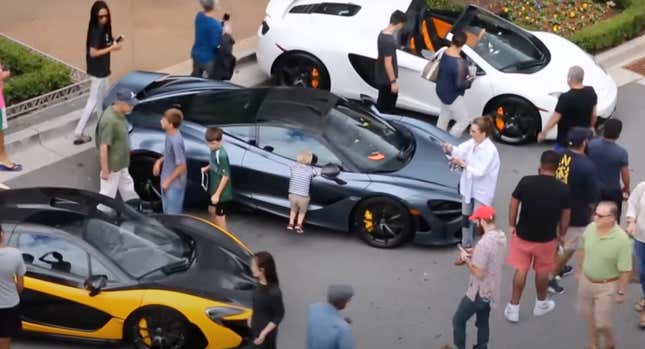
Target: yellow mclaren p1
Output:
[{"x": 99, "y": 270}]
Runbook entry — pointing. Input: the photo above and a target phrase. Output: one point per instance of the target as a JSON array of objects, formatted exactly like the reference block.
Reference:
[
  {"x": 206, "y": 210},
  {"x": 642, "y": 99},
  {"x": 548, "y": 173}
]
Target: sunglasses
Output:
[
  {"x": 103, "y": 16},
  {"x": 596, "y": 214}
]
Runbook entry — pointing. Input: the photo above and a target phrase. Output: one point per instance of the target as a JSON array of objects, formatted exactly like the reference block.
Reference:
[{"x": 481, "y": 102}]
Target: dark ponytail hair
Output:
[
  {"x": 264, "y": 260},
  {"x": 95, "y": 23},
  {"x": 485, "y": 124}
]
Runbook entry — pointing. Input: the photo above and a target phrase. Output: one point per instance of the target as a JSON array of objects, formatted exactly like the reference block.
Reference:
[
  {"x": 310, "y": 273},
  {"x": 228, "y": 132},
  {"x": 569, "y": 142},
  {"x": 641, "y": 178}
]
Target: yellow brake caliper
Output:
[
  {"x": 368, "y": 221},
  {"x": 144, "y": 332}
]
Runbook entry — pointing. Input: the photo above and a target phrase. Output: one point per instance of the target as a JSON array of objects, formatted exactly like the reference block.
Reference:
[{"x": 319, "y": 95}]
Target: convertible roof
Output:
[{"x": 304, "y": 107}]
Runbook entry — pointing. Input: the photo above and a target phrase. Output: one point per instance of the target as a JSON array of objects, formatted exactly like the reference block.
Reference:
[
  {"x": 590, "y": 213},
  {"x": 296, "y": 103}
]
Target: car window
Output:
[
  {"x": 288, "y": 142},
  {"x": 242, "y": 132},
  {"x": 216, "y": 108},
  {"x": 53, "y": 253},
  {"x": 99, "y": 269}
]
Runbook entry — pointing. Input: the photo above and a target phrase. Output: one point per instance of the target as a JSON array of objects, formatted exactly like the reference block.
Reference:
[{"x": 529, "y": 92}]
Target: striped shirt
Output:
[{"x": 301, "y": 176}]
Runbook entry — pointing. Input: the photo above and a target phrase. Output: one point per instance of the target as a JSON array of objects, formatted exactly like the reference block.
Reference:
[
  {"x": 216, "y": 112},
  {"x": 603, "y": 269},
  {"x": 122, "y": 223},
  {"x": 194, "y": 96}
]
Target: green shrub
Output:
[
  {"x": 614, "y": 30},
  {"x": 446, "y": 5},
  {"x": 31, "y": 74}
]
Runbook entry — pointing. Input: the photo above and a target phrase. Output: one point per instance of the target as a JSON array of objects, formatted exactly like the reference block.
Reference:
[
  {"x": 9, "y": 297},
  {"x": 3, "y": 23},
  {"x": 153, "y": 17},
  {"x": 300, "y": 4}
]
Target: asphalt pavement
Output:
[{"x": 405, "y": 297}]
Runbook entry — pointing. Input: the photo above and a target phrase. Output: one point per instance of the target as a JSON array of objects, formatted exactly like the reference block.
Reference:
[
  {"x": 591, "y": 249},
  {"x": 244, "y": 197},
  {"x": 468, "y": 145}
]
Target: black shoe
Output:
[
  {"x": 82, "y": 139},
  {"x": 555, "y": 288},
  {"x": 567, "y": 270}
]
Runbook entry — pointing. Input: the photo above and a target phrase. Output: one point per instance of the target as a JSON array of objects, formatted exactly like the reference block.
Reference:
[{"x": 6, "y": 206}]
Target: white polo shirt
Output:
[{"x": 479, "y": 177}]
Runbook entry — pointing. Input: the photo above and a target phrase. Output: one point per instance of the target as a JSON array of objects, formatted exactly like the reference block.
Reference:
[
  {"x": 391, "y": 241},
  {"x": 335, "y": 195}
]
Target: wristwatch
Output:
[
  {"x": 392, "y": 81},
  {"x": 620, "y": 293}
]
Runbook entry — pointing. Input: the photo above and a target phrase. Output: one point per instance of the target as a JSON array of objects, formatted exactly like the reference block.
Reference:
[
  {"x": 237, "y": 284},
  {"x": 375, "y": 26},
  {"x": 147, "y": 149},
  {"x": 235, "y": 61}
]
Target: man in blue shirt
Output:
[
  {"x": 612, "y": 163},
  {"x": 208, "y": 32},
  {"x": 326, "y": 328}
]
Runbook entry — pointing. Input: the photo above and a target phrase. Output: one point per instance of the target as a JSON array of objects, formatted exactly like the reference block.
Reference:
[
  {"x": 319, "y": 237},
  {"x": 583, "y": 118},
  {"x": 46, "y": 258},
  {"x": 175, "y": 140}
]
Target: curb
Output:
[{"x": 622, "y": 54}]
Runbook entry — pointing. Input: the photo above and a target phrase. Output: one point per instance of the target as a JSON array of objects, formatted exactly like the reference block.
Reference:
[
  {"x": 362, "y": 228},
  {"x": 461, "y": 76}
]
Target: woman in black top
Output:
[{"x": 268, "y": 309}]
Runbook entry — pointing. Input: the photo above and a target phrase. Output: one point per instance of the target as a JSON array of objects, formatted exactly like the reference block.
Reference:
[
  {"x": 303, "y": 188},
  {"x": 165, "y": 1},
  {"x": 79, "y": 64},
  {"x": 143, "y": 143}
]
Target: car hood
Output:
[
  {"x": 428, "y": 163},
  {"x": 553, "y": 76}
]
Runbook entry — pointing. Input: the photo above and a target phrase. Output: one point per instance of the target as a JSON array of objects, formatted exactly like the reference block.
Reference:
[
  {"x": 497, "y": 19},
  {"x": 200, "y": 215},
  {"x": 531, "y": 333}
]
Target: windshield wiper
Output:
[
  {"x": 524, "y": 64},
  {"x": 171, "y": 268}
]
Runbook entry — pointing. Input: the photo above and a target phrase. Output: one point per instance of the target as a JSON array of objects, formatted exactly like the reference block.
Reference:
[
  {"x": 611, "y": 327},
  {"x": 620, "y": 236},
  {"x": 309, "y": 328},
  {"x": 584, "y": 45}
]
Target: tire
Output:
[
  {"x": 145, "y": 183},
  {"x": 159, "y": 328},
  {"x": 382, "y": 222},
  {"x": 516, "y": 121},
  {"x": 301, "y": 70}
]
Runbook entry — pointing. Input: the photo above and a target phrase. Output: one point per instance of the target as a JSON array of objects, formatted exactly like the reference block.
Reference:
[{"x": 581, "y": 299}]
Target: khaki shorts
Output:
[
  {"x": 572, "y": 239},
  {"x": 596, "y": 301},
  {"x": 299, "y": 203}
]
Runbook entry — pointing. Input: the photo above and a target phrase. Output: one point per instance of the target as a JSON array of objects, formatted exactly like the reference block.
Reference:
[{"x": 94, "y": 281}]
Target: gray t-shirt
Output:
[
  {"x": 11, "y": 264},
  {"x": 174, "y": 155}
]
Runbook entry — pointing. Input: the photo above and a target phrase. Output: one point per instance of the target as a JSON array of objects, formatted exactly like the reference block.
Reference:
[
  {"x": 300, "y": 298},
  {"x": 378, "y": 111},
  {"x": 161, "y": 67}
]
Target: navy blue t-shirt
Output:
[
  {"x": 451, "y": 82},
  {"x": 580, "y": 174},
  {"x": 609, "y": 158}
]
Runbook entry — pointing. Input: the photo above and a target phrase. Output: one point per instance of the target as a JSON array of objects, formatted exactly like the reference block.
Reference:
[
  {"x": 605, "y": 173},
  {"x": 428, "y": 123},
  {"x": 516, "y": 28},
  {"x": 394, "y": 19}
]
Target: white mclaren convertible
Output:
[{"x": 520, "y": 74}]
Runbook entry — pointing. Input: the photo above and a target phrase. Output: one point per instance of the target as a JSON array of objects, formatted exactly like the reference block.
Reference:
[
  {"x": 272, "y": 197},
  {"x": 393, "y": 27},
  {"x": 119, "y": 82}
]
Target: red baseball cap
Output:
[{"x": 482, "y": 212}]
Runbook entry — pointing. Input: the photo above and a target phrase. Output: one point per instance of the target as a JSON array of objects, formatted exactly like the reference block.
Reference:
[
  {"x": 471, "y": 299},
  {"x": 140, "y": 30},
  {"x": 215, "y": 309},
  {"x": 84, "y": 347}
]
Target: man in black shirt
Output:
[
  {"x": 387, "y": 68},
  {"x": 545, "y": 211},
  {"x": 576, "y": 107},
  {"x": 579, "y": 172}
]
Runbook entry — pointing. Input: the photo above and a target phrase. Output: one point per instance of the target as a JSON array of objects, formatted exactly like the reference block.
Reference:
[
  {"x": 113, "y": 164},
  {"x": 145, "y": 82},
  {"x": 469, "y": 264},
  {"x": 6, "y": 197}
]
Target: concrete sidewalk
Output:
[{"x": 49, "y": 141}]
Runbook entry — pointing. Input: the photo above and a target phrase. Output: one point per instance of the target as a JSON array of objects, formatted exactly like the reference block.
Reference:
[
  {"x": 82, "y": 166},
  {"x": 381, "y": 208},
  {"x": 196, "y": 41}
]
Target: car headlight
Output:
[{"x": 217, "y": 313}]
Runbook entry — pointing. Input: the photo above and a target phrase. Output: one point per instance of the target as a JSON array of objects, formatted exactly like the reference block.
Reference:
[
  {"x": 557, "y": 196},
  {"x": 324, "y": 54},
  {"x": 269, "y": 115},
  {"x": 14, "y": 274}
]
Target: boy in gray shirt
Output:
[
  {"x": 12, "y": 271},
  {"x": 172, "y": 166}
]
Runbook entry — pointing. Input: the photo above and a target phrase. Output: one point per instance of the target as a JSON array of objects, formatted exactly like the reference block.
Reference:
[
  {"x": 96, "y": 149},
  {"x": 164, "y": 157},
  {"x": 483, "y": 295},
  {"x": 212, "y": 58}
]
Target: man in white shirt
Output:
[{"x": 12, "y": 271}]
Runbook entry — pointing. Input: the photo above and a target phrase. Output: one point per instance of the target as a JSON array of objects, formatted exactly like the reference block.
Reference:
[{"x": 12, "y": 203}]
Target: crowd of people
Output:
[{"x": 571, "y": 207}]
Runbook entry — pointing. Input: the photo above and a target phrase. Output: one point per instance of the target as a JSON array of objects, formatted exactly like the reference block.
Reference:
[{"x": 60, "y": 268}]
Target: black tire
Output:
[
  {"x": 382, "y": 222},
  {"x": 145, "y": 184},
  {"x": 158, "y": 328},
  {"x": 299, "y": 70},
  {"x": 515, "y": 120}
]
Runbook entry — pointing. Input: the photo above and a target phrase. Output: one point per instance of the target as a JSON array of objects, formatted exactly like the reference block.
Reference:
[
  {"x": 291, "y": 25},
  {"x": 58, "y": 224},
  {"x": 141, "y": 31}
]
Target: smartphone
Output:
[
  {"x": 119, "y": 38},
  {"x": 205, "y": 181}
]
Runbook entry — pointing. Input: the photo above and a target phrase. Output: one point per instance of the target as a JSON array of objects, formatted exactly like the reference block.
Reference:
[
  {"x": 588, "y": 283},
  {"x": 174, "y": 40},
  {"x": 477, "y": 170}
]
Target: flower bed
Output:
[{"x": 564, "y": 17}]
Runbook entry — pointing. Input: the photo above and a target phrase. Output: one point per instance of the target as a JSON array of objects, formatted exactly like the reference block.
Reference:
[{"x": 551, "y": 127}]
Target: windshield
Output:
[
  {"x": 501, "y": 44},
  {"x": 139, "y": 247},
  {"x": 370, "y": 144}
]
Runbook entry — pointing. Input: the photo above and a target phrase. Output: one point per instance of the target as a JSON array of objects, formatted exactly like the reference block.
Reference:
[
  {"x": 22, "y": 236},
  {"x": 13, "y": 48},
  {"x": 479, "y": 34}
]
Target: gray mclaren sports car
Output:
[{"x": 383, "y": 177}]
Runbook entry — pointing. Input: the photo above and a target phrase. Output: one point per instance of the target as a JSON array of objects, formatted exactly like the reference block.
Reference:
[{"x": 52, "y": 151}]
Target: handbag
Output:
[{"x": 431, "y": 70}]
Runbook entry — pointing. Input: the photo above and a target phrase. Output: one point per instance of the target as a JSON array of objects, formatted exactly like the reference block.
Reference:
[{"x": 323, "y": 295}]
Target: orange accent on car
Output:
[
  {"x": 426, "y": 35},
  {"x": 442, "y": 27},
  {"x": 413, "y": 44},
  {"x": 376, "y": 156},
  {"x": 315, "y": 78},
  {"x": 415, "y": 212}
]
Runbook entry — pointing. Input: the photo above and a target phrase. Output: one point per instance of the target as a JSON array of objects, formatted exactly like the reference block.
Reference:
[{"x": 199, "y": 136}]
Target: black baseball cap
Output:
[
  {"x": 127, "y": 96},
  {"x": 578, "y": 135}
]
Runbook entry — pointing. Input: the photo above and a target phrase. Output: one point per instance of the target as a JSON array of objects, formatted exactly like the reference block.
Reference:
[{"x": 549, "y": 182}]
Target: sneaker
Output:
[
  {"x": 567, "y": 270},
  {"x": 555, "y": 288},
  {"x": 82, "y": 139},
  {"x": 543, "y": 307},
  {"x": 512, "y": 312}
]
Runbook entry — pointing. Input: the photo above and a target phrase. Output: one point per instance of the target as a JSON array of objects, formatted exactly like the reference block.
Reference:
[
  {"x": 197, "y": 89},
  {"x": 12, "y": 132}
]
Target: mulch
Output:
[{"x": 637, "y": 66}]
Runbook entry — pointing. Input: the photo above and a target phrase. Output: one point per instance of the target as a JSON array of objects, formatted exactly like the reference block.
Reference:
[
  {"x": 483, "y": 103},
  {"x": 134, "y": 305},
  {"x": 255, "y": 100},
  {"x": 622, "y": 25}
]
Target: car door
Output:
[
  {"x": 230, "y": 108},
  {"x": 55, "y": 300},
  {"x": 415, "y": 92},
  {"x": 270, "y": 161}
]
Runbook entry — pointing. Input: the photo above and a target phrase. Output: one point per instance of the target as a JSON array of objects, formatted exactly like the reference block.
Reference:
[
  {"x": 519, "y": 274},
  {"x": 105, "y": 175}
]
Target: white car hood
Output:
[{"x": 554, "y": 75}]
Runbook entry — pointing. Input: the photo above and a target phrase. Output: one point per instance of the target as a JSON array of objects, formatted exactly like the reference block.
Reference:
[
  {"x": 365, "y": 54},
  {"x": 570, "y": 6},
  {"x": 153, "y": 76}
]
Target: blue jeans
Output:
[
  {"x": 467, "y": 227},
  {"x": 173, "y": 200},
  {"x": 639, "y": 250},
  {"x": 466, "y": 310}
]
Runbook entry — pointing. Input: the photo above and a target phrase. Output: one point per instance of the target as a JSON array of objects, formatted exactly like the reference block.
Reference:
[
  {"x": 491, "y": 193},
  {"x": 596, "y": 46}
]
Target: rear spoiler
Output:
[{"x": 136, "y": 81}]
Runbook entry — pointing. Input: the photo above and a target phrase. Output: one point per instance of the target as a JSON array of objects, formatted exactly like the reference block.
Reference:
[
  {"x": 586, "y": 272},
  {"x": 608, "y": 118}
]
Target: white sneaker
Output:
[
  {"x": 512, "y": 312},
  {"x": 543, "y": 307}
]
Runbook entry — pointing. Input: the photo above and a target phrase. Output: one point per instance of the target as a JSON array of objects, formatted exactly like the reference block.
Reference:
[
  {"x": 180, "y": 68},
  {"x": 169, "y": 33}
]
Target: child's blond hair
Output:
[{"x": 305, "y": 157}]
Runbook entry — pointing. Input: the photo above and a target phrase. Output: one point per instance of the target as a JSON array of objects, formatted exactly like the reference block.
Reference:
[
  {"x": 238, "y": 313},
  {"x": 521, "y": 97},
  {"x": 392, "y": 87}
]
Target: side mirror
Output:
[
  {"x": 95, "y": 284},
  {"x": 330, "y": 171}
]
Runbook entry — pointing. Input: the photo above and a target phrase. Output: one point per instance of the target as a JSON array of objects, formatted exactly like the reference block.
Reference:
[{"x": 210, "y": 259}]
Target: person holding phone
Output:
[
  {"x": 5, "y": 163},
  {"x": 99, "y": 45}
]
